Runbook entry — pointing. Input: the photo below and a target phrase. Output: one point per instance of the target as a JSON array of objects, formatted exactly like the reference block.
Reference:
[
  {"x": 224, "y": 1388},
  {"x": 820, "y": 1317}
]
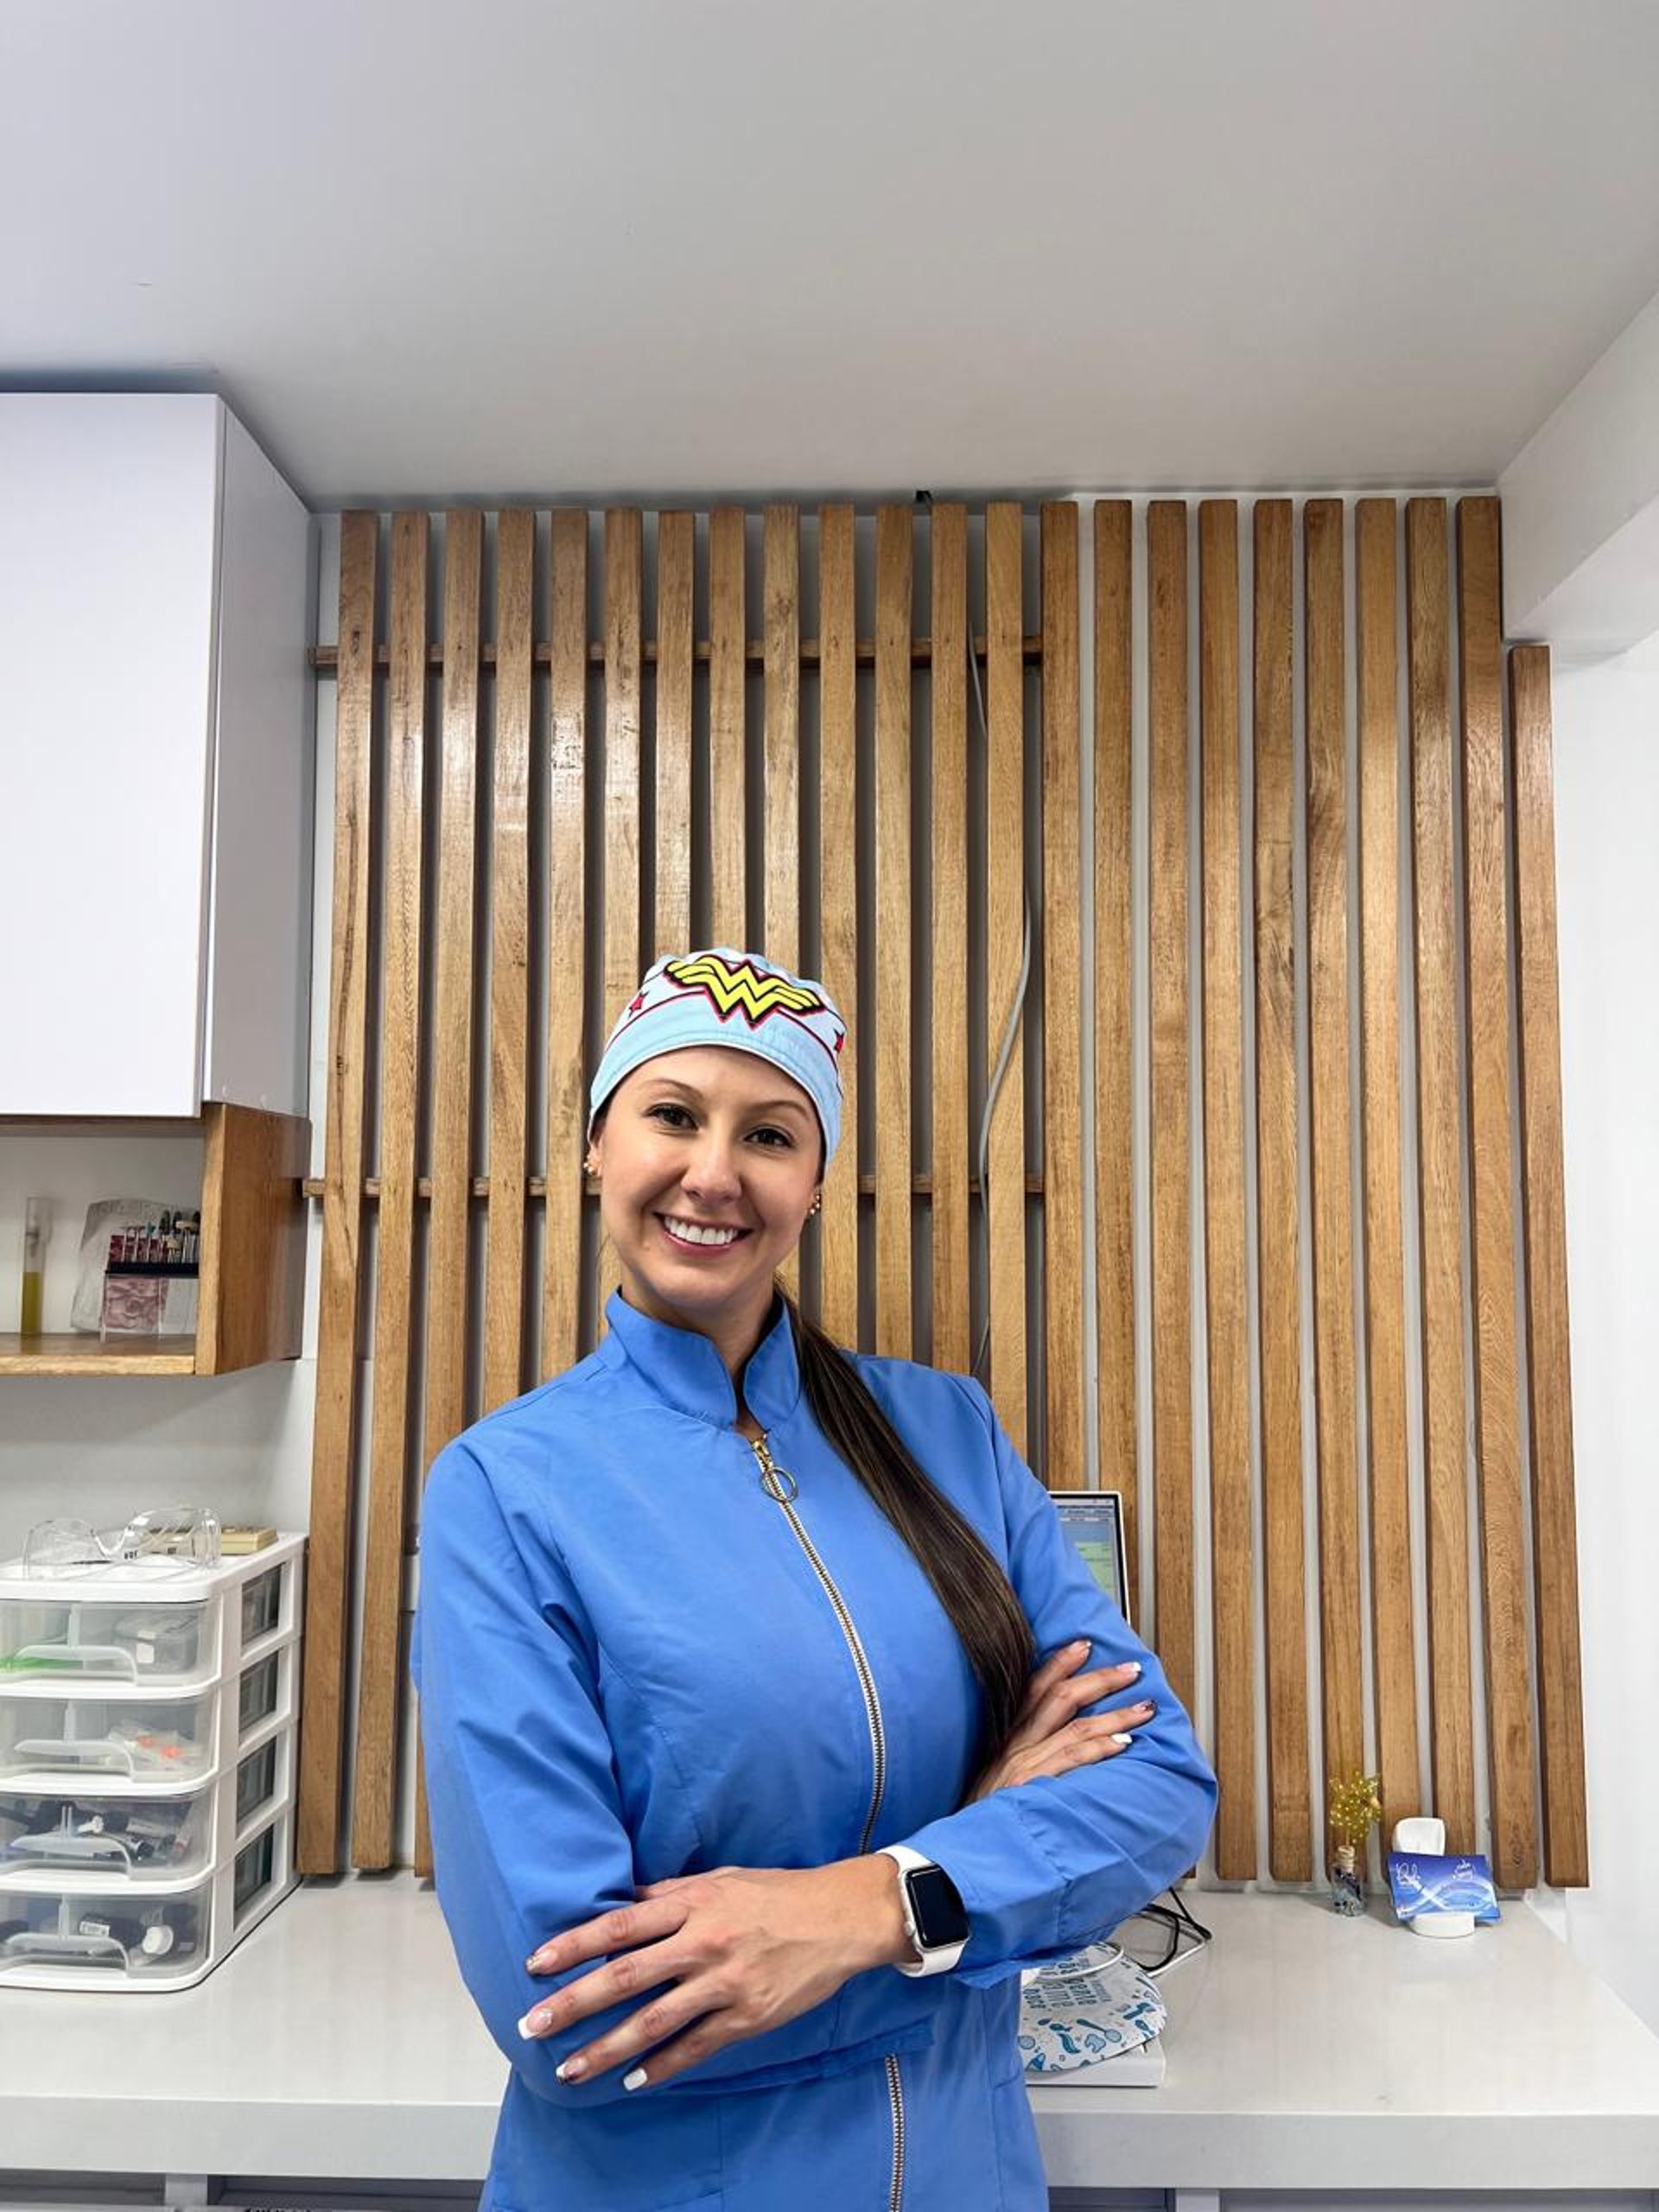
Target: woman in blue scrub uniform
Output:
[{"x": 750, "y": 1799}]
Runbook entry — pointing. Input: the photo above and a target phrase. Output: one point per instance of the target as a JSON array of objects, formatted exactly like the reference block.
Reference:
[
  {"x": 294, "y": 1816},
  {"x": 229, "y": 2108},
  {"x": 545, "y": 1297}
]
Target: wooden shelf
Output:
[
  {"x": 74, "y": 1354},
  {"x": 251, "y": 1291}
]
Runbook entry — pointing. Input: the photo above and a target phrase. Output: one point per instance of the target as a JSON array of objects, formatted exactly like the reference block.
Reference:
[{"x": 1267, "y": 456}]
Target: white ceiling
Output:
[{"x": 743, "y": 247}]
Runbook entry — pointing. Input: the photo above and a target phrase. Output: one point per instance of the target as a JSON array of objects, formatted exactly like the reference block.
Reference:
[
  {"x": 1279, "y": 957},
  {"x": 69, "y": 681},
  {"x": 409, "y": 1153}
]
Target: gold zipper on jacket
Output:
[
  {"x": 783, "y": 1488},
  {"x": 896, "y": 2099}
]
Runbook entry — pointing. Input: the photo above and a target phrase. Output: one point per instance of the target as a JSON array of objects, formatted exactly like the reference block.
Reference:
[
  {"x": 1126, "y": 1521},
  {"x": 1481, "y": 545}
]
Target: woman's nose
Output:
[{"x": 712, "y": 1167}]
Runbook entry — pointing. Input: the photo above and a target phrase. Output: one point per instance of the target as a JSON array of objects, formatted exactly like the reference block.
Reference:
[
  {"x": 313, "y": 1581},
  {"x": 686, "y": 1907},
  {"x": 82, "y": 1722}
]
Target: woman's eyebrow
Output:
[{"x": 767, "y": 1106}]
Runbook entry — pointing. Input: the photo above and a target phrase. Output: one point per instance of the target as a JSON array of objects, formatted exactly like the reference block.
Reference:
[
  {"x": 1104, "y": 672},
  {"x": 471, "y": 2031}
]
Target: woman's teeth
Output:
[{"x": 685, "y": 1232}]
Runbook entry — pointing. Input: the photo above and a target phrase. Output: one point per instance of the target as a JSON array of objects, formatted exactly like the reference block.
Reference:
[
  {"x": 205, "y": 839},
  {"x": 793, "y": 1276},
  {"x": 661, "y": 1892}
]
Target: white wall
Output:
[{"x": 1606, "y": 720}]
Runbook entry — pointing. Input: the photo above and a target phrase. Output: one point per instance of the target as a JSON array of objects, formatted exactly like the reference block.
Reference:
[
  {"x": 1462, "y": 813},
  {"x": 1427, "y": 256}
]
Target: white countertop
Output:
[{"x": 1304, "y": 2051}]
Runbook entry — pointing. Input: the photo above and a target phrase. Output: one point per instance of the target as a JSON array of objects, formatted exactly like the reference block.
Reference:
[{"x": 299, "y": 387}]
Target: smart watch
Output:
[{"x": 934, "y": 1916}]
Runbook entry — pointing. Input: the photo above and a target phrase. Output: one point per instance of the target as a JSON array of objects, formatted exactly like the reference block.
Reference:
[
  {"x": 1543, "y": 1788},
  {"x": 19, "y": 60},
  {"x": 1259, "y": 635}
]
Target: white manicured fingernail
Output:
[
  {"x": 1122, "y": 1740},
  {"x": 634, "y": 2080},
  {"x": 1132, "y": 1668},
  {"x": 527, "y": 2026}
]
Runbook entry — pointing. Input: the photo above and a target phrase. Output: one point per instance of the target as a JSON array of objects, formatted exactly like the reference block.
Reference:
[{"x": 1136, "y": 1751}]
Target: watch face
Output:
[{"x": 939, "y": 1915}]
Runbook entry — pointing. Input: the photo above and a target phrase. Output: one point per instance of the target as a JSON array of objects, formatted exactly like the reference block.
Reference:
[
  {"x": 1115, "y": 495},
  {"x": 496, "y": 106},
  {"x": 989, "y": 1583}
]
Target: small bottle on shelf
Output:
[{"x": 36, "y": 1221}]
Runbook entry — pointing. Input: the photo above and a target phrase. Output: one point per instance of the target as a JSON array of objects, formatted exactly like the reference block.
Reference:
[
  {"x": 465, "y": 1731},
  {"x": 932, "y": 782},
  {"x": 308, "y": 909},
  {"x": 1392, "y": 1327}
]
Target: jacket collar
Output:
[{"x": 684, "y": 1368}]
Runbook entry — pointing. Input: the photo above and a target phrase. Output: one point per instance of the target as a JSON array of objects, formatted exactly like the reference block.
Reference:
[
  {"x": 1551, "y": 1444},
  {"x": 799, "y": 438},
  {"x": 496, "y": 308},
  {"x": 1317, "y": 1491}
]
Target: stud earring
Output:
[{"x": 817, "y": 1205}]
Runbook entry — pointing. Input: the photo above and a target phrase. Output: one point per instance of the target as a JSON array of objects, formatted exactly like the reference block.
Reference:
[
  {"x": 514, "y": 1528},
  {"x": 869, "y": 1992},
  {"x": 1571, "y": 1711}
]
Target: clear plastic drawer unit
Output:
[
  {"x": 147, "y": 1769},
  {"x": 133, "y": 1740},
  {"x": 141, "y": 1841}
]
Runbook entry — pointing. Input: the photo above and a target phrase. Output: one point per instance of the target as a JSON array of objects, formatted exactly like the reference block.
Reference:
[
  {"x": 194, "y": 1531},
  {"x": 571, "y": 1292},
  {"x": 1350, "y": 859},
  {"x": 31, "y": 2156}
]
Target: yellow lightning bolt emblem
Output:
[{"x": 744, "y": 986}]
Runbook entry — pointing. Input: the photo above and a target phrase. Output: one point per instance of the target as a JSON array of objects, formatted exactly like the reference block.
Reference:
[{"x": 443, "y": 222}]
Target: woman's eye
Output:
[{"x": 651, "y": 1112}]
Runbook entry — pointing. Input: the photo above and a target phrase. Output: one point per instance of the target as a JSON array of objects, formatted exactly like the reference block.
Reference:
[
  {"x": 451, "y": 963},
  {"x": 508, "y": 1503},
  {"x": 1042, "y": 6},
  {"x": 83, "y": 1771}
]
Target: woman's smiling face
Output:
[{"x": 708, "y": 1160}]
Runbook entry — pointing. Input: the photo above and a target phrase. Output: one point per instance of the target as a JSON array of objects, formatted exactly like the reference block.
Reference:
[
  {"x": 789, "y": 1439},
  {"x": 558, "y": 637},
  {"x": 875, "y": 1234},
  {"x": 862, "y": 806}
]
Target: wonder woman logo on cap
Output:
[{"x": 746, "y": 988}]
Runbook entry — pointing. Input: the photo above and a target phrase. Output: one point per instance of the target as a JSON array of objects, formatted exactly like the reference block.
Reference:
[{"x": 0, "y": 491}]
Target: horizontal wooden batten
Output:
[
  {"x": 326, "y": 658},
  {"x": 921, "y": 1186}
]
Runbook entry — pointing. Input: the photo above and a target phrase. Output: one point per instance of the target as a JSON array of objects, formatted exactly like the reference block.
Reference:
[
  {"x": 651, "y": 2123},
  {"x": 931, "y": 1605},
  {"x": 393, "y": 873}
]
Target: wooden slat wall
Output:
[
  {"x": 1555, "y": 1527},
  {"x": 625, "y": 727},
  {"x": 1439, "y": 1192},
  {"x": 379, "y": 1682},
  {"x": 1114, "y": 952},
  {"x": 504, "y": 1264},
  {"x": 1498, "y": 1399},
  {"x": 1394, "y": 1683},
  {"x": 447, "y": 1317},
  {"x": 1290, "y": 1840},
  {"x": 838, "y": 932},
  {"x": 1324, "y": 634},
  {"x": 1005, "y": 807},
  {"x": 566, "y": 995},
  {"x": 949, "y": 1150},
  {"x": 333, "y": 1461},
  {"x": 893, "y": 1193},
  {"x": 1231, "y": 1566},
  {"x": 1063, "y": 1367},
  {"x": 1171, "y": 1292}
]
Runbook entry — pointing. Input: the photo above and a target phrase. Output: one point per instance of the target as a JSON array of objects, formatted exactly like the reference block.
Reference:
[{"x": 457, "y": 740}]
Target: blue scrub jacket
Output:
[{"x": 631, "y": 1667}]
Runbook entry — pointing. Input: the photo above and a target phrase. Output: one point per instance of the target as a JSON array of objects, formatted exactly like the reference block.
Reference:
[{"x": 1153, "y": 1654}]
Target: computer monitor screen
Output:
[{"x": 1093, "y": 1520}]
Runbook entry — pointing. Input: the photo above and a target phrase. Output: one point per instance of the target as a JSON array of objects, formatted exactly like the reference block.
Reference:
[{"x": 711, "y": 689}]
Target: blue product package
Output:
[{"x": 1423, "y": 1883}]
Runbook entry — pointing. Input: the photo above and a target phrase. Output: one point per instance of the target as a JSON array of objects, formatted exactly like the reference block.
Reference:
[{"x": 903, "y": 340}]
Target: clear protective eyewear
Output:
[{"x": 186, "y": 1535}]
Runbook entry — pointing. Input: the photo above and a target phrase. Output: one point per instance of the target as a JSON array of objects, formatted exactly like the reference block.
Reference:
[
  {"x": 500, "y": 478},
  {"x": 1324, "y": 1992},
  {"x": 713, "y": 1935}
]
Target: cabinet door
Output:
[
  {"x": 257, "y": 1048},
  {"x": 108, "y": 521}
]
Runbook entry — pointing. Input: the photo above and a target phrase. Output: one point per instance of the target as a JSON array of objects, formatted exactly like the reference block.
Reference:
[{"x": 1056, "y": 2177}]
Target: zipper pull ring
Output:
[{"x": 773, "y": 1476}]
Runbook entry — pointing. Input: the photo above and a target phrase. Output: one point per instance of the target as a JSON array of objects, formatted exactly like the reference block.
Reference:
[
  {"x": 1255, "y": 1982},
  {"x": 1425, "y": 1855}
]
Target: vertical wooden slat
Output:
[
  {"x": 1171, "y": 1347},
  {"x": 447, "y": 1270},
  {"x": 1393, "y": 1672},
  {"x": 782, "y": 738},
  {"x": 452, "y": 1022},
  {"x": 622, "y": 654},
  {"x": 1290, "y": 1838},
  {"x": 952, "y": 1316},
  {"x": 623, "y": 593},
  {"x": 328, "y": 1563},
  {"x": 676, "y": 538},
  {"x": 1554, "y": 1543},
  {"x": 378, "y": 1672},
  {"x": 1327, "y": 1004},
  {"x": 1513, "y": 1777},
  {"x": 727, "y": 643},
  {"x": 566, "y": 997},
  {"x": 1114, "y": 1002},
  {"x": 1231, "y": 1565},
  {"x": 1063, "y": 1439},
  {"x": 783, "y": 734},
  {"x": 893, "y": 1162},
  {"x": 1440, "y": 1178},
  {"x": 838, "y": 901},
  {"x": 503, "y": 1300},
  {"x": 1005, "y": 833}
]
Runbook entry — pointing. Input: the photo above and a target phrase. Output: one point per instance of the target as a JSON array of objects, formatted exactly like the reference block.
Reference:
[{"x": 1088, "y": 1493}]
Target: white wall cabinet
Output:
[{"x": 156, "y": 765}]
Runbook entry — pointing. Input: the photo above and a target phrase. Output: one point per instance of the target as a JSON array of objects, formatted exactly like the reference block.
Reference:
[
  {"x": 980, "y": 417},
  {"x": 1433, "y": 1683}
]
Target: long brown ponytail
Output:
[{"x": 970, "y": 1585}]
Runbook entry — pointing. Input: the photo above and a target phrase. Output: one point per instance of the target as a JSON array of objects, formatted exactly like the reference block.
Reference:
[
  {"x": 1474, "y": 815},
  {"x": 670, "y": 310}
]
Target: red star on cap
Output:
[{"x": 634, "y": 1004}]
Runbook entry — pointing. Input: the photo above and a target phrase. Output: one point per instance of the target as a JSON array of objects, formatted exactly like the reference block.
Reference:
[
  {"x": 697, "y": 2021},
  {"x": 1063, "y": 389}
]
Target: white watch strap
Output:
[{"x": 940, "y": 1960}]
